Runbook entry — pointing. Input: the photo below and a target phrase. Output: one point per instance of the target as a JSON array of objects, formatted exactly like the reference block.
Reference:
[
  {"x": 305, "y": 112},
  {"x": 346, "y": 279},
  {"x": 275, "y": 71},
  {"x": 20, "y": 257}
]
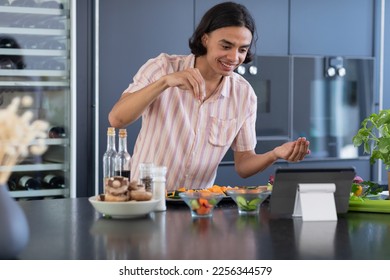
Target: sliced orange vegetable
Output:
[
  {"x": 204, "y": 202},
  {"x": 216, "y": 189},
  {"x": 202, "y": 210}
]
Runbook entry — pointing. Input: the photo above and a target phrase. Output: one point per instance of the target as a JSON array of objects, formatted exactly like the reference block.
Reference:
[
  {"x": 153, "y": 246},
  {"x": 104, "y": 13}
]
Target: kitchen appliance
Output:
[
  {"x": 328, "y": 109},
  {"x": 35, "y": 55},
  {"x": 321, "y": 98}
]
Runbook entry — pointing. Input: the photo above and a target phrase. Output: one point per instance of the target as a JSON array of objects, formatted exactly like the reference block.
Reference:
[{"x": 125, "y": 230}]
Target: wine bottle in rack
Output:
[
  {"x": 29, "y": 183},
  {"x": 57, "y": 132},
  {"x": 8, "y": 43},
  {"x": 13, "y": 184},
  {"x": 7, "y": 63},
  {"x": 53, "y": 181}
]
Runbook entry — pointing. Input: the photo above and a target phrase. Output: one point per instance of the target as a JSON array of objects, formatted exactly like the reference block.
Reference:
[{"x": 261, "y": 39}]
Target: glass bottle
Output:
[
  {"x": 13, "y": 184},
  {"x": 123, "y": 158},
  {"x": 54, "y": 181},
  {"x": 29, "y": 183},
  {"x": 109, "y": 156}
]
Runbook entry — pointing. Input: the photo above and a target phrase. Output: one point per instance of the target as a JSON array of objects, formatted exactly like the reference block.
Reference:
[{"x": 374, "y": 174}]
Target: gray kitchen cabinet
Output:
[
  {"x": 271, "y": 19},
  {"x": 332, "y": 27},
  {"x": 130, "y": 33}
]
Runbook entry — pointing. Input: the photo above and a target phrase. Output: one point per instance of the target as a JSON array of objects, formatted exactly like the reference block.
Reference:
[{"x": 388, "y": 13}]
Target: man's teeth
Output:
[{"x": 227, "y": 65}]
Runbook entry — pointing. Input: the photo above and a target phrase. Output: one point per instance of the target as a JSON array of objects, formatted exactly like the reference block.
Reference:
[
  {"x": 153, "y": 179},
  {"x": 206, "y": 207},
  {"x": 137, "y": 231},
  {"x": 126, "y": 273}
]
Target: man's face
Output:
[{"x": 227, "y": 48}]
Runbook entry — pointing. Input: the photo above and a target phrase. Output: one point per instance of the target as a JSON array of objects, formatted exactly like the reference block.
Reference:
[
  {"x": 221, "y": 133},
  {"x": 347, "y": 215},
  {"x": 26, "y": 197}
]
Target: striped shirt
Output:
[{"x": 187, "y": 136}]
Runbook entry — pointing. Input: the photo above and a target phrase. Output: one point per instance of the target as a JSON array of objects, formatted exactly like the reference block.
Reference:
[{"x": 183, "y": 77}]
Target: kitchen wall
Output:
[{"x": 130, "y": 32}]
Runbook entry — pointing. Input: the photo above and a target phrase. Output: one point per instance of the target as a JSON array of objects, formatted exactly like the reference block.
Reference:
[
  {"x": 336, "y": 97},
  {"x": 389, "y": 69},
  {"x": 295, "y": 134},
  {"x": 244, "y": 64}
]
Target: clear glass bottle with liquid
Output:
[
  {"x": 123, "y": 158},
  {"x": 109, "y": 156}
]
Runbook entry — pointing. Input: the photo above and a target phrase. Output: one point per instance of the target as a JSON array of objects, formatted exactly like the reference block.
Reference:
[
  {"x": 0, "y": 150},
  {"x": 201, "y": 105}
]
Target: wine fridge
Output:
[{"x": 36, "y": 60}]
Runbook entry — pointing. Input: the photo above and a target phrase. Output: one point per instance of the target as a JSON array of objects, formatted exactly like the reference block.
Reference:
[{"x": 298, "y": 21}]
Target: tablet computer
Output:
[{"x": 287, "y": 179}]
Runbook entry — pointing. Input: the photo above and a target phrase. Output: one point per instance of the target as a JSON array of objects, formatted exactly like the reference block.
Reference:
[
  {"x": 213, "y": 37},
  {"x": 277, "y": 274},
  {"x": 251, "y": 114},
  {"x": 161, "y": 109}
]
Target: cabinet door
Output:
[
  {"x": 35, "y": 61},
  {"x": 332, "y": 27},
  {"x": 130, "y": 33},
  {"x": 271, "y": 19}
]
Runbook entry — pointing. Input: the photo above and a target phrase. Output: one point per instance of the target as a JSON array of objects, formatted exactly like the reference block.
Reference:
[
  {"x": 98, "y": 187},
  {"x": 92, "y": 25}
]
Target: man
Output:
[{"x": 194, "y": 107}]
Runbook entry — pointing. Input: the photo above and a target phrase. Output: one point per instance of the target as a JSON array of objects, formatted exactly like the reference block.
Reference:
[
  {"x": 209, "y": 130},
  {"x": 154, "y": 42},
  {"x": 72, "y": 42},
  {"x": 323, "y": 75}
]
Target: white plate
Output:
[{"x": 123, "y": 210}]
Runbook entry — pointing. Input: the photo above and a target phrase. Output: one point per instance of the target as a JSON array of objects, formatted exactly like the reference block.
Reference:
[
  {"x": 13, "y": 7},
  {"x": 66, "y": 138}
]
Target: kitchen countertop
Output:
[{"x": 71, "y": 229}]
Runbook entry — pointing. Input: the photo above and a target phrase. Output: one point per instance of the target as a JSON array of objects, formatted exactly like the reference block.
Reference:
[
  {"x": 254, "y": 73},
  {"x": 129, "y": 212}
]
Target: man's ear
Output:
[{"x": 205, "y": 38}]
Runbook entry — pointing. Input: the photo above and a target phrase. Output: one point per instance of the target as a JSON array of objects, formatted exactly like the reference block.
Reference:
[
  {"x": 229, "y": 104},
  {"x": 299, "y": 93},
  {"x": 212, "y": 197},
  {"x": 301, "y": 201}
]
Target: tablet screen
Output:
[{"x": 287, "y": 180}]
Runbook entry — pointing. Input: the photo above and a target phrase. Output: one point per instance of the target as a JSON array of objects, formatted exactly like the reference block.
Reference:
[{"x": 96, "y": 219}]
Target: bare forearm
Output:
[
  {"x": 131, "y": 105},
  {"x": 250, "y": 163}
]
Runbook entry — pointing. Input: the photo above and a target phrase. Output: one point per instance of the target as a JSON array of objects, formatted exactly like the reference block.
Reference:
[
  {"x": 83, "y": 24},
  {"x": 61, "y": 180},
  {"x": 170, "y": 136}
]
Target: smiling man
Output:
[{"x": 195, "y": 107}]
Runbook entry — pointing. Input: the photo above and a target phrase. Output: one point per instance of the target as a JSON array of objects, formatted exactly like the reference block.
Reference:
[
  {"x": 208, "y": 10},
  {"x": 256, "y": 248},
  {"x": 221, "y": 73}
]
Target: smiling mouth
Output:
[{"x": 227, "y": 67}]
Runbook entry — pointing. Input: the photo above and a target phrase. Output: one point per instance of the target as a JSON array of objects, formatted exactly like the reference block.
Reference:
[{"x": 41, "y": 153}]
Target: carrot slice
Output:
[
  {"x": 202, "y": 210},
  {"x": 204, "y": 202}
]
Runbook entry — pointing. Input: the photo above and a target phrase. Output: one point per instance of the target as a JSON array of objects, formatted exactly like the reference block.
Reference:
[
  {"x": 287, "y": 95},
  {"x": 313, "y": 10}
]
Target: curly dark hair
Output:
[{"x": 223, "y": 15}]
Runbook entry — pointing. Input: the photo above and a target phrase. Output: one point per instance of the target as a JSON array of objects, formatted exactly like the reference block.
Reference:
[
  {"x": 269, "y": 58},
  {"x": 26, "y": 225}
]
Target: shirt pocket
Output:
[{"x": 222, "y": 132}]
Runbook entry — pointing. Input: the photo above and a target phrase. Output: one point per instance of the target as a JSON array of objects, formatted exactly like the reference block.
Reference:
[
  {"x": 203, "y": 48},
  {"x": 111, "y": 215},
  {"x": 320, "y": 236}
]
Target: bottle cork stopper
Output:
[
  {"x": 111, "y": 131},
  {"x": 122, "y": 132}
]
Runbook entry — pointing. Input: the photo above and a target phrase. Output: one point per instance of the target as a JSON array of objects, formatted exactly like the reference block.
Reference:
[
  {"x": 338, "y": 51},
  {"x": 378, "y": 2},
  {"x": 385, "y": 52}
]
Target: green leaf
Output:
[{"x": 374, "y": 135}]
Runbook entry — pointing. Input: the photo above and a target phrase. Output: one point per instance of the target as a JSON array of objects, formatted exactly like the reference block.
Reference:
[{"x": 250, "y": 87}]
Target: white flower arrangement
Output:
[{"x": 19, "y": 135}]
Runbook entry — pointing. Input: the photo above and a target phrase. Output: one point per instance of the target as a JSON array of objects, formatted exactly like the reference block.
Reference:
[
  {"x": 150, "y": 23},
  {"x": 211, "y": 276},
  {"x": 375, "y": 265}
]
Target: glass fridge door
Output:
[
  {"x": 35, "y": 61},
  {"x": 332, "y": 95}
]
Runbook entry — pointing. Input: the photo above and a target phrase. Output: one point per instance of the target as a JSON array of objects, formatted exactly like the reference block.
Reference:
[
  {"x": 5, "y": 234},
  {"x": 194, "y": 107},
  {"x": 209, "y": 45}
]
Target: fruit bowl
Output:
[
  {"x": 201, "y": 203},
  {"x": 248, "y": 200}
]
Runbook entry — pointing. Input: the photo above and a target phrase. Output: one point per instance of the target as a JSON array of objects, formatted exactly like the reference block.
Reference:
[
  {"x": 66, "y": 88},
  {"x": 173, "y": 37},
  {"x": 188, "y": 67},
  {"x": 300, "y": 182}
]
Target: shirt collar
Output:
[{"x": 190, "y": 63}]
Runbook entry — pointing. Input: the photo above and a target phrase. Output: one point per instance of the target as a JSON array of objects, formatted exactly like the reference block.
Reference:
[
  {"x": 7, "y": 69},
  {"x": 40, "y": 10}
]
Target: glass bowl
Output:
[
  {"x": 201, "y": 203},
  {"x": 248, "y": 200}
]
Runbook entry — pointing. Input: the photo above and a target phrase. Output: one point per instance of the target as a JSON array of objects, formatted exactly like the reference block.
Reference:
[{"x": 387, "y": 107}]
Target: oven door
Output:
[{"x": 329, "y": 104}]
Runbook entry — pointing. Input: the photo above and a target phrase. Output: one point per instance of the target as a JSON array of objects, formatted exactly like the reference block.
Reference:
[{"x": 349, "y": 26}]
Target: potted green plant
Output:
[{"x": 374, "y": 135}]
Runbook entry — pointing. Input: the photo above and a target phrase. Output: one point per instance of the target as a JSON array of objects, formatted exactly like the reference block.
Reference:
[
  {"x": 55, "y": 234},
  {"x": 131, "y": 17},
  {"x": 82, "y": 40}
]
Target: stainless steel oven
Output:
[
  {"x": 321, "y": 98},
  {"x": 331, "y": 96}
]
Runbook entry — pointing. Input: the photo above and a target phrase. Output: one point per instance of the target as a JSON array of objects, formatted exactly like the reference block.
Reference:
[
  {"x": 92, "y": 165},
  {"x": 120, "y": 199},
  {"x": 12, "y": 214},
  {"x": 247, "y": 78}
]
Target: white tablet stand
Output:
[{"x": 315, "y": 202}]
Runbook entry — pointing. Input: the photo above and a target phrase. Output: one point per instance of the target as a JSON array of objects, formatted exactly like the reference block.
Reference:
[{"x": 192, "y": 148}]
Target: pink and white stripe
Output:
[{"x": 187, "y": 136}]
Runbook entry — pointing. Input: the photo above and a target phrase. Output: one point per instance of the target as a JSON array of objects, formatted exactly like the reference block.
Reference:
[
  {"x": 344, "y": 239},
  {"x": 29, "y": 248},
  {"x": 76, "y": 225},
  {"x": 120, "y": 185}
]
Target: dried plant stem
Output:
[
  {"x": 18, "y": 132},
  {"x": 6, "y": 164}
]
